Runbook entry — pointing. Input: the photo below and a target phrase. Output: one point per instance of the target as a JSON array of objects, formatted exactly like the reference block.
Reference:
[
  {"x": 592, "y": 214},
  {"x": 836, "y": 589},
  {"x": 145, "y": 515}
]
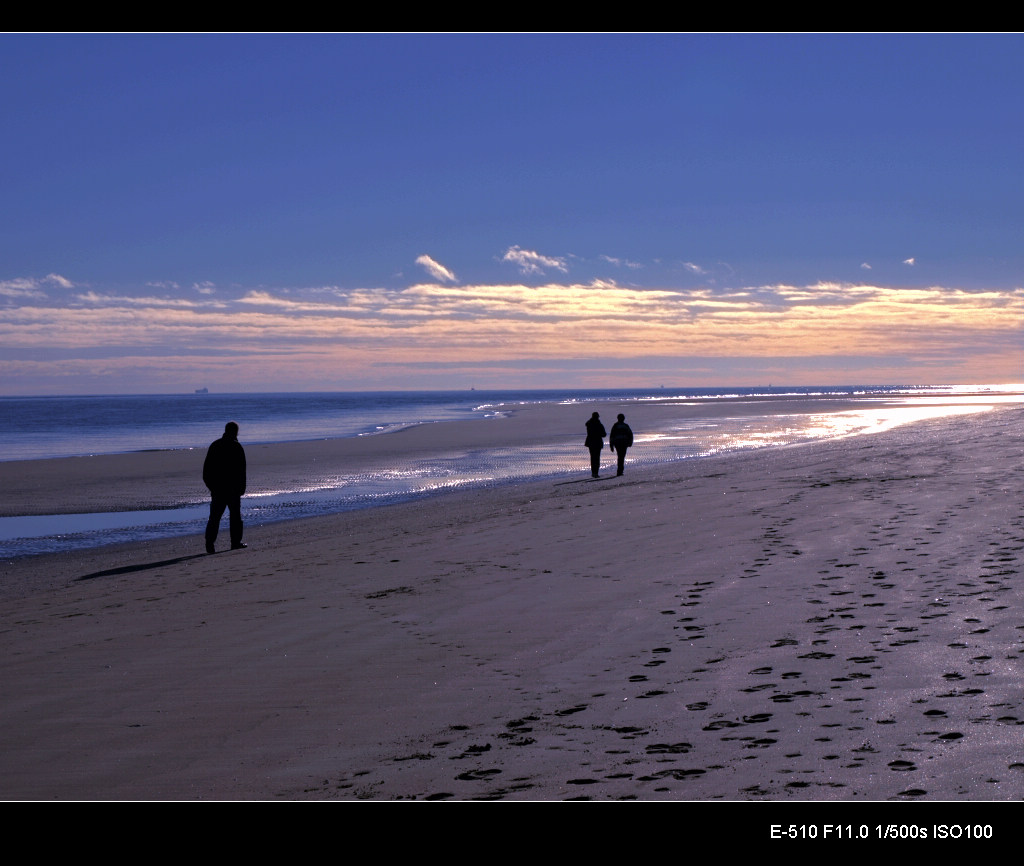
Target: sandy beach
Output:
[{"x": 838, "y": 621}]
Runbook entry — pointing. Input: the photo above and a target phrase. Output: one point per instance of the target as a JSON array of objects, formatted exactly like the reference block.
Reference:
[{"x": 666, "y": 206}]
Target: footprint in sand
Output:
[
  {"x": 669, "y": 748},
  {"x": 568, "y": 712},
  {"x": 476, "y": 775}
]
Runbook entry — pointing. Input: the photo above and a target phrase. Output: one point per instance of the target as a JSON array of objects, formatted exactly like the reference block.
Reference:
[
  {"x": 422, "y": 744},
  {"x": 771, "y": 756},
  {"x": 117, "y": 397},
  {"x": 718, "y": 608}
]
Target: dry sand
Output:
[{"x": 838, "y": 621}]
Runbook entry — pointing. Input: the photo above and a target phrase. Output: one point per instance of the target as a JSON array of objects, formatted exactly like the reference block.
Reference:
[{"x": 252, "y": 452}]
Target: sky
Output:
[{"x": 362, "y": 212}]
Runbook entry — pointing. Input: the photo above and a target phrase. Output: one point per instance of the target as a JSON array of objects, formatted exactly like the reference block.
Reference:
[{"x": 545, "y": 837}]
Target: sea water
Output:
[{"x": 42, "y": 427}]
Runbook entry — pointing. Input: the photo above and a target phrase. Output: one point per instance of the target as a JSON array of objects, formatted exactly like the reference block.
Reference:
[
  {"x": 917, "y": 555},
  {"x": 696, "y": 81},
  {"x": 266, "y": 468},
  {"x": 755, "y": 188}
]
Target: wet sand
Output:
[
  {"x": 166, "y": 479},
  {"x": 839, "y": 621}
]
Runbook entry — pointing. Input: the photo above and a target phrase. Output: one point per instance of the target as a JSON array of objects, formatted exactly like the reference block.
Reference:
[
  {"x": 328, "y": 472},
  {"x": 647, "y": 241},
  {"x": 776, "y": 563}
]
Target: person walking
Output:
[
  {"x": 620, "y": 439},
  {"x": 595, "y": 442},
  {"x": 224, "y": 477}
]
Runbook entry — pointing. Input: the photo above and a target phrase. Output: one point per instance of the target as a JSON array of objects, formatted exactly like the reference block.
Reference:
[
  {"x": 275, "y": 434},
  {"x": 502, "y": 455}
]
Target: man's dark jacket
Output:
[{"x": 224, "y": 468}]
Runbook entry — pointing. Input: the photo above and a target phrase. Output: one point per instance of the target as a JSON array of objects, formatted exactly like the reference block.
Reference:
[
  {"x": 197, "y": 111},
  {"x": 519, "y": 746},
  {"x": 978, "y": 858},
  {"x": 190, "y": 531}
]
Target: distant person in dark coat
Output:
[
  {"x": 224, "y": 475},
  {"x": 595, "y": 442},
  {"x": 620, "y": 439}
]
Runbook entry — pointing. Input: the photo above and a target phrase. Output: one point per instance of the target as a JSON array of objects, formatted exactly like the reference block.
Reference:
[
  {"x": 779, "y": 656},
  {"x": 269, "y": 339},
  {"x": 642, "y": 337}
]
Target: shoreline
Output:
[
  {"x": 154, "y": 479},
  {"x": 78, "y": 503},
  {"x": 837, "y": 621}
]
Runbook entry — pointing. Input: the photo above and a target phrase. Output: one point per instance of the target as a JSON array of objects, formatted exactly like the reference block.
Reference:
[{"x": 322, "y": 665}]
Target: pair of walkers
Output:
[{"x": 619, "y": 440}]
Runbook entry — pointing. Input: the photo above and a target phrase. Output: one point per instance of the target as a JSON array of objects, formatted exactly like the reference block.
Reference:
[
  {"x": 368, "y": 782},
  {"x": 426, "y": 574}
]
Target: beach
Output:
[{"x": 832, "y": 621}]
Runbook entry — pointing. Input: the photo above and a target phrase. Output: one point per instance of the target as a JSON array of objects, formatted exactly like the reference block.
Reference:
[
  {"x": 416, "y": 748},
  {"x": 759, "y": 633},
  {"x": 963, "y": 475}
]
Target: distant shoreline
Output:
[
  {"x": 161, "y": 478},
  {"x": 46, "y": 427},
  {"x": 75, "y": 501}
]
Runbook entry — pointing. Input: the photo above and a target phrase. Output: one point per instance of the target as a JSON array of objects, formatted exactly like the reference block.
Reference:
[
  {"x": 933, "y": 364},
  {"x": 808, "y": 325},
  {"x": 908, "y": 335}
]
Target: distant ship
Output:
[{"x": 202, "y": 391}]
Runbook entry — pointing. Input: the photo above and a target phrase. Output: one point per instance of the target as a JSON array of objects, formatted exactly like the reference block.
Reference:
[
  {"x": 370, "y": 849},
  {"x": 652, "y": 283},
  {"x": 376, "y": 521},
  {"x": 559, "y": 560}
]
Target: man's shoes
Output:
[
  {"x": 209, "y": 547},
  {"x": 239, "y": 546}
]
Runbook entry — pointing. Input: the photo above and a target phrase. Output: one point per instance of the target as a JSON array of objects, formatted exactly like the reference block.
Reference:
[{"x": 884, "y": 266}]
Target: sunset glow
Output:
[{"x": 692, "y": 210}]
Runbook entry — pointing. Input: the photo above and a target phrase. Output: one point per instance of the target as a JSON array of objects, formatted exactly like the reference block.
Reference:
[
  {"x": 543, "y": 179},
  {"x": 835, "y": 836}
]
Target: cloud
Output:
[
  {"x": 436, "y": 270},
  {"x": 909, "y": 261},
  {"x": 20, "y": 288},
  {"x": 97, "y": 299},
  {"x": 334, "y": 337},
  {"x": 865, "y": 266},
  {"x": 31, "y": 287},
  {"x": 696, "y": 269},
  {"x": 621, "y": 263},
  {"x": 530, "y": 262},
  {"x": 58, "y": 280}
]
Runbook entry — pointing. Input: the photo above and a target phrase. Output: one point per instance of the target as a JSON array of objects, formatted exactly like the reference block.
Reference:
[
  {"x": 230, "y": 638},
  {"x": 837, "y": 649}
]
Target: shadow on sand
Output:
[{"x": 128, "y": 569}]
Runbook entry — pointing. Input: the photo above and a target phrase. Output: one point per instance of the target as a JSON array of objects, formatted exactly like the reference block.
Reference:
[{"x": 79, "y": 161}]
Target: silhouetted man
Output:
[
  {"x": 224, "y": 475},
  {"x": 595, "y": 442},
  {"x": 620, "y": 439}
]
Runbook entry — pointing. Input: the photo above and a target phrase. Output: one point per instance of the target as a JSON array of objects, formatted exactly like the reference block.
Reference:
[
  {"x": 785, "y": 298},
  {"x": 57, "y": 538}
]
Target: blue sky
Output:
[{"x": 401, "y": 211}]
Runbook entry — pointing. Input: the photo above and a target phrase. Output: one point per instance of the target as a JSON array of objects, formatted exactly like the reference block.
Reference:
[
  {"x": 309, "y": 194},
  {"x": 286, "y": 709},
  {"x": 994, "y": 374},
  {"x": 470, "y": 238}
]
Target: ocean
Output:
[{"x": 34, "y": 428}]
